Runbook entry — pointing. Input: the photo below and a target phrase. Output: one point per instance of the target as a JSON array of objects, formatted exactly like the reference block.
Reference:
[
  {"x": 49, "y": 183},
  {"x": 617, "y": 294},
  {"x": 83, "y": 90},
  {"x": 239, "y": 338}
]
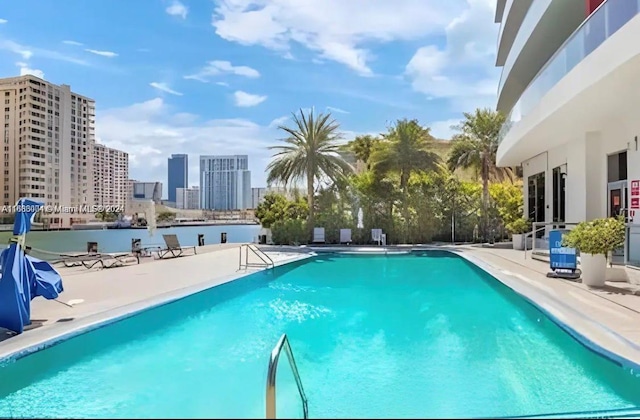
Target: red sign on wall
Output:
[
  {"x": 635, "y": 188},
  {"x": 635, "y": 203}
]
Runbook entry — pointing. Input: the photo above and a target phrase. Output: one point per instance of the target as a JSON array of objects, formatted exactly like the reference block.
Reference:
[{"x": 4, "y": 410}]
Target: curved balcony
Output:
[{"x": 605, "y": 21}]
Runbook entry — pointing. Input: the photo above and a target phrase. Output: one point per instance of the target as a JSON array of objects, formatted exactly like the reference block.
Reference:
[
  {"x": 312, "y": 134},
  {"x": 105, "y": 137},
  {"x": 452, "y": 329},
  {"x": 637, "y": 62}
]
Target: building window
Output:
[
  {"x": 536, "y": 199},
  {"x": 559, "y": 197}
]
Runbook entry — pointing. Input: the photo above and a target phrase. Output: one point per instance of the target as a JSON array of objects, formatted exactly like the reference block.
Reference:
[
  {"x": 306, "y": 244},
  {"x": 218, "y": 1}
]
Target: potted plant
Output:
[
  {"x": 518, "y": 228},
  {"x": 595, "y": 240}
]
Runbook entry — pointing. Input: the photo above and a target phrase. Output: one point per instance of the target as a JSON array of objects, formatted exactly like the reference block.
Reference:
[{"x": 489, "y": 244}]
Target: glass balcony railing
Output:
[{"x": 597, "y": 28}]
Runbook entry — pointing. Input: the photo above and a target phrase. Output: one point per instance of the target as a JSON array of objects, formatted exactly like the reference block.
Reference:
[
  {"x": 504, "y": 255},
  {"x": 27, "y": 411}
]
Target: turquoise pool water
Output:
[{"x": 420, "y": 335}]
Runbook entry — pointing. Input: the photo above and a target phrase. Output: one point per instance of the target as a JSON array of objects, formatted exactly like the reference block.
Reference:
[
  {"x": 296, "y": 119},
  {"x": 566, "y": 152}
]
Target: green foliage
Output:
[
  {"x": 508, "y": 199},
  {"x": 599, "y": 236},
  {"x": 310, "y": 154},
  {"x": 165, "y": 216},
  {"x": 107, "y": 216},
  {"x": 406, "y": 191},
  {"x": 519, "y": 226},
  {"x": 276, "y": 207},
  {"x": 362, "y": 147},
  {"x": 289, "y": 232}
]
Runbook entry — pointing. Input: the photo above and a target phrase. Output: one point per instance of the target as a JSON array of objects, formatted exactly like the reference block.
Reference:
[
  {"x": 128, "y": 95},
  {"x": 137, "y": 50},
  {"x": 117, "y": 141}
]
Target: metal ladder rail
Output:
[
  {"x": 266, "y": 261},
  {"x": 283, "y": 344}
]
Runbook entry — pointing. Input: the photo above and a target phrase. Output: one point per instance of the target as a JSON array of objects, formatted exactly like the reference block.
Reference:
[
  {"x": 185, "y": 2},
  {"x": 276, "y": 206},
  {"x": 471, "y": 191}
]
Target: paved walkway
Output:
[{"x": 105, "y": 293}]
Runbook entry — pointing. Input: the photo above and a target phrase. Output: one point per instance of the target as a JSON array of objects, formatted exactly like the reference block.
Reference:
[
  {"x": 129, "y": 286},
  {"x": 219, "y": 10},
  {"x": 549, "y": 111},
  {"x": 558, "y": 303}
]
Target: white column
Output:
[
  {"x": 596, "y": 176},
  {"x": 586, "y": 184}
]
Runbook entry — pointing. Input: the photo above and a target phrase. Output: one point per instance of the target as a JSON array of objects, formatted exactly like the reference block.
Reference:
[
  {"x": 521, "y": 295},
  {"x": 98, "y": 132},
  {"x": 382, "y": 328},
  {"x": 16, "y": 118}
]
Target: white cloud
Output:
[
  {"x": 464, "y": 70},
  {"x": 22, "y": 50},
  {"x": 164, "y": 87},
  {"x": 3, "y": 21},
  {"x": 24, "y": 69},
  {"x": 442, "y": 129},
  {"x": 244, "y": 99},
  {"x": 225, "y": 84},
  {"x": 338, "y": 30},
  {"x": 337, "y": 110},
  {"x": 150, "y": 132},
  {"x": 27, "y": 52},
  {"x": 276, "y": 122},
  {"x": 76, "y": 43},
  {"x": 178, "y": 9},
  {"x": 108, "y": 54},
  {"x": 220, "y": 67}
]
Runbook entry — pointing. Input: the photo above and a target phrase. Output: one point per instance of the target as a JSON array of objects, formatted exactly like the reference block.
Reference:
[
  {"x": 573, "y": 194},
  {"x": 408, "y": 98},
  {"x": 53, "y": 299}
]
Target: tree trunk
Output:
[
  {"x": 485, "y": 199},
  {"x": 310, "y": 202},
  {"x": 404, "y": 181}
]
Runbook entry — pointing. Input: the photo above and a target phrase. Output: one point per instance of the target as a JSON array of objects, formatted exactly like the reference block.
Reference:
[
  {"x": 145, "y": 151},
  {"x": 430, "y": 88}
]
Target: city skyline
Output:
[{"x": 190, "y": 82}]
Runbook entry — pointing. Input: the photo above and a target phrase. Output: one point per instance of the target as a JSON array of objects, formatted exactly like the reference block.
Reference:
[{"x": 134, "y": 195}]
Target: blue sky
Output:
[{"x": 217, "y": 77}]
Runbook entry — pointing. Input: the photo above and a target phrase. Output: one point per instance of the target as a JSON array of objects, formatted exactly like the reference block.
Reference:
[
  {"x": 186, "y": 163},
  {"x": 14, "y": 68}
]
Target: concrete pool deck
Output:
[{"x": 608, "y": 318}]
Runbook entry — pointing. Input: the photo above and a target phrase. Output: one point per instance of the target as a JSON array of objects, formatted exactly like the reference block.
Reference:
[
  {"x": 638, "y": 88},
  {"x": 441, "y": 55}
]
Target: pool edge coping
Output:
[{"x": 57, "y": 333}]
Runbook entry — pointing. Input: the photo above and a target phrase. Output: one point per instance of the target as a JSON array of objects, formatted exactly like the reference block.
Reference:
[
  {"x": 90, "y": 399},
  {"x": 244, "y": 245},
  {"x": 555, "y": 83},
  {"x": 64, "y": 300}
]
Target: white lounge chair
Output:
[
  {"x": 376, "y": 236},
  {"x": 318, "y": 235},
  {"x": 345, "y": 236}
]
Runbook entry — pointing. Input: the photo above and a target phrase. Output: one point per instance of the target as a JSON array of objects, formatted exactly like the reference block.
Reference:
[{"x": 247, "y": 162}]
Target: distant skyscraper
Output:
[
  {"x": 178, "y": 174},
  {"x": 110, "y": 176},
  {"x": 225, "y": 182}
]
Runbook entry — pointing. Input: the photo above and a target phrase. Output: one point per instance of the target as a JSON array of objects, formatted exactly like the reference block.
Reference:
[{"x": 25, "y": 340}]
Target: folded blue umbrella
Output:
[{"x": 23, "y": 277}]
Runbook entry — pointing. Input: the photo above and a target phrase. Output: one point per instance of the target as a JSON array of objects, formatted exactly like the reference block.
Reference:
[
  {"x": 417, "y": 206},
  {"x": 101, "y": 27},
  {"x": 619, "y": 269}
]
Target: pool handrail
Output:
[
  {"x": 283, "y": 344},
  {"x": 266, "y": 260}
]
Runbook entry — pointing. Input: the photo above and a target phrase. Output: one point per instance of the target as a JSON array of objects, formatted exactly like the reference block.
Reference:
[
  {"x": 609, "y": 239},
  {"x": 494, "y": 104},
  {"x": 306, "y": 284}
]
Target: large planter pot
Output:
[
  {"x": 518, "y": 241},
  {"x": 594, "y": 269}
]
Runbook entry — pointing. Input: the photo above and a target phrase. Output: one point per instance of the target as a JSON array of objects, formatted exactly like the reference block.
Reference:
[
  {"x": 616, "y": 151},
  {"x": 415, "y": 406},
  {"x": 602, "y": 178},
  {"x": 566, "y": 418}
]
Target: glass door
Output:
[{"x": 617, "y": 206}]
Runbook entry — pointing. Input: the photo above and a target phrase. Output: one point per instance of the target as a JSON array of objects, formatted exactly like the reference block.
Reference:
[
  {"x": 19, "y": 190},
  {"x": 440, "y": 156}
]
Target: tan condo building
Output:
[
  {"x": 48, "y": 136},
  {"x": 111, "y": 176}
]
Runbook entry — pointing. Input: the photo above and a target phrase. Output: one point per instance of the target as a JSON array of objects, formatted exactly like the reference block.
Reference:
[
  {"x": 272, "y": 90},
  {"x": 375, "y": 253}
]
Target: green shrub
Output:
[
  {"x": 519, "y": 226},
  {"x": 289, "y": 232},
  {"x": 599, "y": 236}
]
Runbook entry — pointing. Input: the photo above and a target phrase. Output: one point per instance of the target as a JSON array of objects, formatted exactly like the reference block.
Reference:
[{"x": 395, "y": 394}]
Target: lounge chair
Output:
[
  {"x": 90, "y": 259},
  {"x": 173, "y": 248},
  {"x": 345, "y": 236},
  {"x": 376, "y": 236},
  {"x": 318, "y": 235}
]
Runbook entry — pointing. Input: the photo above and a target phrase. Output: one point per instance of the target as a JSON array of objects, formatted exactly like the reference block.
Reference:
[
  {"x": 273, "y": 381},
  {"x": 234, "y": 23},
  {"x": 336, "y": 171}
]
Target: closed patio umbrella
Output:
[{"x": 23, "y": 277}]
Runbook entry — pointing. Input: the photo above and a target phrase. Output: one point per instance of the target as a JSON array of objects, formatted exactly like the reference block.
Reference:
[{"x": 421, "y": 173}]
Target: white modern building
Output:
[
  {"x": 225, "y": 182},
  {"x": 188, "y": 198},
  {"x": 570, "y": 88},
  {"x": 111, "y": 176},
  {"x": 48, "y": 140}
]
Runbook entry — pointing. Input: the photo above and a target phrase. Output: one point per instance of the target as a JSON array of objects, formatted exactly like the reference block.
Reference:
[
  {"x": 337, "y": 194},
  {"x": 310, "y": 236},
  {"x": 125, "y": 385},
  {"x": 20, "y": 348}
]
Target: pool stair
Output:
[{"x": 283, "y": 344}]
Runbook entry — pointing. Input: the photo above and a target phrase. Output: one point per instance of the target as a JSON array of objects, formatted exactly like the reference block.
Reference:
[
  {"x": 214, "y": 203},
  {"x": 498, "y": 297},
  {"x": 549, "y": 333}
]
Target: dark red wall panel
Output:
[{"x": 592, "y": 5}]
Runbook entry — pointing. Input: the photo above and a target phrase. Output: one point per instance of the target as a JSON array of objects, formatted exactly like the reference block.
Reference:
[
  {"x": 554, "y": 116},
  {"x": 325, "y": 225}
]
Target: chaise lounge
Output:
[
  {"x": 173, "y": 248},
  {"x": 90, "y": 260}
]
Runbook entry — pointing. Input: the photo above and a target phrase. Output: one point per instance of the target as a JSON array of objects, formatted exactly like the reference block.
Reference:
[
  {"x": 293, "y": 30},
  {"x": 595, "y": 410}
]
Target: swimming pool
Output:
[{"x": 419, "y": 335}]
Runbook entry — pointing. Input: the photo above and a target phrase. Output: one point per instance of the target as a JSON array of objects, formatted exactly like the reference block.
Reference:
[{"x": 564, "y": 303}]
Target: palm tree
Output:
[
  {"x": 405, "y": 149},
  {"x": 310, "y": 153},
  {"x": 476, "y": 147},
  {"x": 362, "y": 147}
]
